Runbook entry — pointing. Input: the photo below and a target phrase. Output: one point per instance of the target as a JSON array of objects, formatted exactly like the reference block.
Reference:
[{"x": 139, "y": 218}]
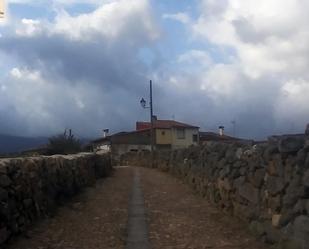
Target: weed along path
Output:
[{"x": 138, "y": 208}]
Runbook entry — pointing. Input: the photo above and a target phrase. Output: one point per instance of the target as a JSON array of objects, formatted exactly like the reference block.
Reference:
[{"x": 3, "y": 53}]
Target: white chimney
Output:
[
  {"x": 105, "y": 132},
  {"x": 221, "y": 130}
]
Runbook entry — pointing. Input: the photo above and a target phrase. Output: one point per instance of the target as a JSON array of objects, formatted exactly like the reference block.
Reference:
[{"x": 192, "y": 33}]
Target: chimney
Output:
[
  {"x": 105, "y": 132},
  {"x": 221, "y": 130}
]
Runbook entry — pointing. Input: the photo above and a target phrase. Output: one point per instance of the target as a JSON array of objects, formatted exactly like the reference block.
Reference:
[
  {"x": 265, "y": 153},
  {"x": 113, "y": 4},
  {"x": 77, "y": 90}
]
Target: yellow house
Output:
[{"x": 170, "y": 134}]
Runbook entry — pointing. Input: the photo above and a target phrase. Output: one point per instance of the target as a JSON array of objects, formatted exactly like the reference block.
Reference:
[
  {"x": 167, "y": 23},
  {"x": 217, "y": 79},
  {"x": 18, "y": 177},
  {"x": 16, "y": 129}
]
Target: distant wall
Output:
[
  {"x": 266, "y": 185},
  {"x": 31, "y": 188}
]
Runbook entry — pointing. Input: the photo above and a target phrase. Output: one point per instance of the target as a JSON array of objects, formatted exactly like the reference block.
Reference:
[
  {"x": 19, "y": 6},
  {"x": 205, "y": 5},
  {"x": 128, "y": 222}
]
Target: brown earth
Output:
[
  {"x": 180, "y": 219},
  {"x": 95, "y": 219}
]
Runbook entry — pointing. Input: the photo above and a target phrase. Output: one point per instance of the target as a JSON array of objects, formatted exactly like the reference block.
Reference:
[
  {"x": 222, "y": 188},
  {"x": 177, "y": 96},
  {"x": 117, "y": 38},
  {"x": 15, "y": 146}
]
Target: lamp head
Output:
[{"x": 143, "y": 103}]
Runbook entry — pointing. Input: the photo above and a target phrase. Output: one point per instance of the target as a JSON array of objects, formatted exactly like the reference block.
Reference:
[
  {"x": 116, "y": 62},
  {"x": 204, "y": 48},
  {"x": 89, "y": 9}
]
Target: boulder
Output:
[
  {"x": 5, "y": 181},
  {"x": 291, "y": 144},
  {"x": 307, "y": 206},
  {"x": 258, "y": 178},
  {"x": 275, "y": 220},
  {"x": 249, "y": 192},
  {"x": 257, "y": 228},
  {"x": 301, "y": 157},
  {"x": 238, "y": 182},
  {"x": 274, "y": 185},
  {"x": 274, "y": 203},
  {"x": 3, "y": 194},
  {"x": 301, "y": 230},
  {"x": 271, "y": 150},
  {"x": 300, "y": 207},
  {"x": 306, "y": 178},
  {"x": 275, "y": 166},
  {"x": 4, "y": 235}
]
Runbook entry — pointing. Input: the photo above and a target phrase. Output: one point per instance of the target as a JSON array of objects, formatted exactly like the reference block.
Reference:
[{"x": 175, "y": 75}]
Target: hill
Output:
[{"x": 15, "y": 144}]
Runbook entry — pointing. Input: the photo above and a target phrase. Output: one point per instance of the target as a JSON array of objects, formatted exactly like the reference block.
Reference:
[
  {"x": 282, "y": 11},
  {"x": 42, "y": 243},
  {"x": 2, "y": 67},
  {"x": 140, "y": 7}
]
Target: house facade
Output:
[
  {"x": 168, "y": 134},
  {"x": 171, "y": 134}
]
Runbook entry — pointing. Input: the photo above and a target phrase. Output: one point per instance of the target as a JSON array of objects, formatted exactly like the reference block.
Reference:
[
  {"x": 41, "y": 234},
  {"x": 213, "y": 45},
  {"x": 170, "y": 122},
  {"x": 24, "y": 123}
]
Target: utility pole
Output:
[
  {"x": 144, "y": 105},
  {"x": 151, "y": 117}
]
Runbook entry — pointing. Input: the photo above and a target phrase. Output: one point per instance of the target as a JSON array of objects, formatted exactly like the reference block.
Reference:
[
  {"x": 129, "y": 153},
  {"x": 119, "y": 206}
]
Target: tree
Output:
[{"x": 64, "y": 143}]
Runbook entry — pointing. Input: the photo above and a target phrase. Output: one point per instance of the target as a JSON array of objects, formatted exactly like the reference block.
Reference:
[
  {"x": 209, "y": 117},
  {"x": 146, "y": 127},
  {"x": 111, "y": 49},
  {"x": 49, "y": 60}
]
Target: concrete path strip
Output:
[{"x": 137, "y": 224}]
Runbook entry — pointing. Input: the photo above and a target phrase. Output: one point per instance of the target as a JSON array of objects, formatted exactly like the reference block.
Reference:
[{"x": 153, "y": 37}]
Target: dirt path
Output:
[
  {"x": 179, "y": 219},
  {"x": 96, "y": 219}
]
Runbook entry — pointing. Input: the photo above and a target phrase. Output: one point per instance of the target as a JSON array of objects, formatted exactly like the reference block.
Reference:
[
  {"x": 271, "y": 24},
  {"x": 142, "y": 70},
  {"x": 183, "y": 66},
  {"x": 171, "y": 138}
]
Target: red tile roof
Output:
[{"x": 163, "y": 124}]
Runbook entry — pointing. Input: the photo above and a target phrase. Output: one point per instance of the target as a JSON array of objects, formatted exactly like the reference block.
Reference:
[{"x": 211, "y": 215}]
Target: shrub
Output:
[{"x": 64, "y": 144}]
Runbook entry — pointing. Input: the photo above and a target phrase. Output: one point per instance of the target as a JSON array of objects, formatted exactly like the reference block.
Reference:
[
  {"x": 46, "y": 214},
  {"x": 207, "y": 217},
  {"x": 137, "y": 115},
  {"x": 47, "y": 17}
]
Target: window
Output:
[
  {"x": 180, "y": 133},
  {"x": 194, "y": 138}
]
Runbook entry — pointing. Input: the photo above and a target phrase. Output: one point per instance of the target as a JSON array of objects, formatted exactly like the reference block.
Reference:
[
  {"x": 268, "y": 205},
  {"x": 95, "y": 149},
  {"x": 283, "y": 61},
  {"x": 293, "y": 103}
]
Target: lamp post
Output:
[{"x": 144, "y": 105}]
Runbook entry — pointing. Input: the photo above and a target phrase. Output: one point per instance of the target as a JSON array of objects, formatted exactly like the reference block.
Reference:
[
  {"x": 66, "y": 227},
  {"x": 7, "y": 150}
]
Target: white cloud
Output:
[
  {"x": 269, "y": 37},
  {"x": 62, "y": 2},
  {"x": 25, "y": 74},
  {"x": 195, "y": 57},
  {"x": 29, "y": 27},
  {"x": 292, "y": 103},
  {"x": 109, "y": 20},
  {"x": 180, "y": 17},
  {"x": 269, "y": 41}
]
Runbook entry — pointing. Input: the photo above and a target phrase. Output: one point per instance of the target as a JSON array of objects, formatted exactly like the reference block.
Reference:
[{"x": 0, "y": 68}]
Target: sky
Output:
[{"x": 85, "y": 65}]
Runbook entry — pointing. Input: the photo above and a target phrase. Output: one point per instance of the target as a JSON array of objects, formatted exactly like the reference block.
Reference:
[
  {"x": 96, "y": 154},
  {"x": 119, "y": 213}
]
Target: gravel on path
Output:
[
  {"x": 95, "y": 219},
  {"x": 178, "y": 218}
]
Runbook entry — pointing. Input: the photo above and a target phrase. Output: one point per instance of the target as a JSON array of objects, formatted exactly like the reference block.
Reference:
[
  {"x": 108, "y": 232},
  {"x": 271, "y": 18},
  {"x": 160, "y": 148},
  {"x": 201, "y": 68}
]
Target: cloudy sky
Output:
[{"x": 85, "y": 64}]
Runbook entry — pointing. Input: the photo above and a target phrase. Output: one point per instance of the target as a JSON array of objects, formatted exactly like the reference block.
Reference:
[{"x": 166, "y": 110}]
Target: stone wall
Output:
[
  {"x": 266, "y": 185},
  {"x": 31, "y": 188}
]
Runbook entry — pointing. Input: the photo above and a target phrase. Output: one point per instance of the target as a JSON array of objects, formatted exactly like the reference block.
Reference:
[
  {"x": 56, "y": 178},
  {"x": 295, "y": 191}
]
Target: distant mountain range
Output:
[{"x": 15, "y": 144}]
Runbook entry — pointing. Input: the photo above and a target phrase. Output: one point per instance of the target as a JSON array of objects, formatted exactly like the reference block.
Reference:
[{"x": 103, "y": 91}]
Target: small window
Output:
[
  {"x": 194, "y": 138},
  {"x": 162, "y": 133},
  {"x": 181, "y": 133}
]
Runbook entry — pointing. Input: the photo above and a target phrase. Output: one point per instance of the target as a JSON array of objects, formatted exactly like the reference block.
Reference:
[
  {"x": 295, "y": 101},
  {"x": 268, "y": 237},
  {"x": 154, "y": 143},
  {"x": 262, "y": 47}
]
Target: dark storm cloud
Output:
[
  {"x": 90, "y": 75},
  {"x": 61, "y": 59},
  {"x": 84, "y": 84}
]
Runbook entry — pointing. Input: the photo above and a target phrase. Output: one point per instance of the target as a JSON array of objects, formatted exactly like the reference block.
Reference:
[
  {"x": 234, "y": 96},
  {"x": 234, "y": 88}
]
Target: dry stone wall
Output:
[
  {"x": 31, "y": 188},
  {"x": 266, "y": 185}
]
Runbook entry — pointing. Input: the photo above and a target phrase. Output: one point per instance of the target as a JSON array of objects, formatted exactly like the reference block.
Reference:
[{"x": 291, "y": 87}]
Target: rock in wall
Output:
[
  {"x": 266, "y": 185},
  {"x": 31, "y": 188}
]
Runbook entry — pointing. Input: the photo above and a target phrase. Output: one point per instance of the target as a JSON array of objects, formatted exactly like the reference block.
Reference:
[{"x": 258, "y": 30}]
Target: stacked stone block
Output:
[
  {"x": 31, "y": 188},
  {"x": 266, "y": 185}
]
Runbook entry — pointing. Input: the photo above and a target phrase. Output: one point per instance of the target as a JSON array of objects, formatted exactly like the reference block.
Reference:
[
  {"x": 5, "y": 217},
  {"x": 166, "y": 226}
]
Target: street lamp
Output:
[{"x": 144, "y": 105}]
